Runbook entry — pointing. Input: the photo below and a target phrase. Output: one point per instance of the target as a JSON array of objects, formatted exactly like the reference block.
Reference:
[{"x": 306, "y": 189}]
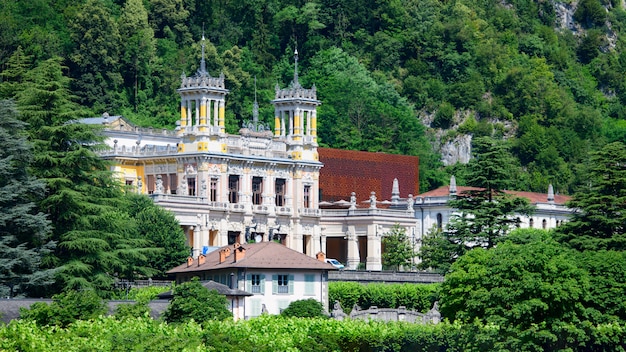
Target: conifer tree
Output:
[
  {"x": 24, "y": 232},
  {"x": 82, "y": 198},
  {"x": 484, "y": 212},
  {"x": 599, "y": 221}
]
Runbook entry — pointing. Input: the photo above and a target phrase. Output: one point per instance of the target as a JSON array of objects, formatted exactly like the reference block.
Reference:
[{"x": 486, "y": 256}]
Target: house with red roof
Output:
[
  {"x": 275, "y": 275},
  {"x": 432, "y": 209}
]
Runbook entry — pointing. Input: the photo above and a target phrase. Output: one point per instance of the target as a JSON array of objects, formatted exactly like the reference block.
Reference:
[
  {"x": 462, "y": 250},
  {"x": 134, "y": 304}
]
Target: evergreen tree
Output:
[
  {"x": 599, "y": 221},
  {"x": 398, "y": 249},
  {"x": 83, "y": 200},
  {"x": 485, "y": 213},
  {"x": 24, "y": 232}
]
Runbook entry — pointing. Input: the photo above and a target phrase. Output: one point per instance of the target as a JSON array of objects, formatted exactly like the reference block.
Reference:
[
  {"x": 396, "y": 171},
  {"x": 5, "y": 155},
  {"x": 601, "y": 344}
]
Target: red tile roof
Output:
[
  {"x": 533, "y": 197},
  {"x": 347, "y": 171},
  {"x": 264, "y": 255}
]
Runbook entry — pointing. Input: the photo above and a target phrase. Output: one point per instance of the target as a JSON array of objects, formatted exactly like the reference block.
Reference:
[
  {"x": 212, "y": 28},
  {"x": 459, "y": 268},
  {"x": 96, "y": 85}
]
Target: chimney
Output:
[
  {"x": 240, "y": 253},
  {"x": 201, "y": 259},
  {"x": 321, "y": 256},
  {"x": 189, "y": 261},
  {"x": 224, "y": 253}
]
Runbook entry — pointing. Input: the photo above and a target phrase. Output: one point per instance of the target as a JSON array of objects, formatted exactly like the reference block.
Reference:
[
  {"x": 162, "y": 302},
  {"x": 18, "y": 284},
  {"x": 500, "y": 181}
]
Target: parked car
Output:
[{"x": 334, "y": 262}]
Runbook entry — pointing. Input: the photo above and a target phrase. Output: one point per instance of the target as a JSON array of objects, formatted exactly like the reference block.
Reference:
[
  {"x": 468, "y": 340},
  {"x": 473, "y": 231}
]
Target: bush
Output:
[
  {"x": 305, "y": 308},
  {"x": 418, "y": 297},
  {"x": 194, "y": 301},
  {"x": 66, "y": 308}
]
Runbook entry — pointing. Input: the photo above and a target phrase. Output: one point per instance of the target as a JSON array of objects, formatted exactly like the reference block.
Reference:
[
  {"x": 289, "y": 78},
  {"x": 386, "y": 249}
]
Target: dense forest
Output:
[{"x": 400, "y": 76}]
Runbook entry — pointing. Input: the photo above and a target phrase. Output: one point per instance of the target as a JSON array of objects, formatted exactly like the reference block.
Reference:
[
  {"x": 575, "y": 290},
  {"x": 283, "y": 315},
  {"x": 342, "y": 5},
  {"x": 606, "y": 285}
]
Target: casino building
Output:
[{"x": 272, "y": 184}]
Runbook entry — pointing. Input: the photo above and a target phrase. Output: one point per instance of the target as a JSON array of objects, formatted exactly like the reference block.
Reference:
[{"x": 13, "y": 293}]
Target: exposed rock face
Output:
[
  {"x": 565, "y": 15},
  {"x": 457, "y": 150}
]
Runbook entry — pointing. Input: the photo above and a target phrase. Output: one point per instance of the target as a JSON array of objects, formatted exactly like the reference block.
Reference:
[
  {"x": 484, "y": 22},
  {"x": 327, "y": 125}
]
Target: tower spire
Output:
[
  {"x": 255, "y": 107},
  {"x": 202, "y": 69},
  {"x": 296, "y": 84}
]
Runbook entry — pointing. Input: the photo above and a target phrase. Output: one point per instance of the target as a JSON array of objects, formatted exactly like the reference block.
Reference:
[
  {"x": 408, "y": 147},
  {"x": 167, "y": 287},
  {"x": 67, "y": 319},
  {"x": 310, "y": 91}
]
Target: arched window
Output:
[
  {"x": 531, "y": 223},
  {"x": 544, "y": 224},
  {"x": 439, "y": 221}
]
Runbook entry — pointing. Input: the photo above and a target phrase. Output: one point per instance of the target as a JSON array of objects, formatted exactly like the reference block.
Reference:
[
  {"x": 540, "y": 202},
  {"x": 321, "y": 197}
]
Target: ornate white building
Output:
[{"x": 261, "y": 184}]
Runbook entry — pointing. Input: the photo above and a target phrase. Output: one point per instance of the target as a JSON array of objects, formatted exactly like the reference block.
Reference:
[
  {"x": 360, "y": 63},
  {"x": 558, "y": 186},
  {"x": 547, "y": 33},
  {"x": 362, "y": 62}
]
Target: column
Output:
[
  {"x": 203, "y": 111},
  {"x": 373, "y": 261},
  {"x": 183, "y": 112},
  {"x": 216, "y": 113},
  {"x": 189, "y": 123},
  {"x": 221, "y": 116},
  {"x": 276, "y": 125},
  {"x": 314, "y": 125},
  {"x": 353, "y": 248}
]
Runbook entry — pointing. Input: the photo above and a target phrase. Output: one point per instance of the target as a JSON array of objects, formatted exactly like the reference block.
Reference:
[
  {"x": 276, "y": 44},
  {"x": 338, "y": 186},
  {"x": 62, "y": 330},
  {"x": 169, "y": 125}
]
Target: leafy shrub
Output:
[
  {"x": 128, "y": 310},
  {"x": 444, "y": 117},
  {"x": 194, "y": 301},
  {"x": 418, "y": 297},
  {"x": 66, "y": 308},
  {"x": 305, "y": 308}
]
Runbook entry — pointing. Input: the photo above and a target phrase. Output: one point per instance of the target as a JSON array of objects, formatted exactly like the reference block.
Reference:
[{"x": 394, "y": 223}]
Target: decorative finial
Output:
[
  {"x": 255, "y": 107},
  {"x": 452, "y": 185},
  {"x": 202, "y": 70},
  {"x": 550, "y": 194},
  {"x": 395, "y": 192},
  {"x": 295, "y": 72}
]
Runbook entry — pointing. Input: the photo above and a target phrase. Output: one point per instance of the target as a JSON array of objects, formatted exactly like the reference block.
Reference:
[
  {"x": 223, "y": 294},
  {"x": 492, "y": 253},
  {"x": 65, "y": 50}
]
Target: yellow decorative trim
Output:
[
  {"x": 181, "y": 147},
  {"x": 276, "y": 126},
  {"x": 296, "y": 155},
  {"x": 202, "y": 114},
  {"x": 203, "y": 146},
  {"x": 183, "y": 116},
  {"x": 224, "y": 148}
]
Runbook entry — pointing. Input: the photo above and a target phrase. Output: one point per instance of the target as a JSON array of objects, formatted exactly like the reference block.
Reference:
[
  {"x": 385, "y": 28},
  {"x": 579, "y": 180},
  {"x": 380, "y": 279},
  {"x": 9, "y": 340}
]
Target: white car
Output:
[{"x": 334, "y": 262}]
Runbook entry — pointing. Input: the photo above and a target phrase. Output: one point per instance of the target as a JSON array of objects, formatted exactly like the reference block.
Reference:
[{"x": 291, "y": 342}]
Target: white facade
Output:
[{"x": 263, "y": 185}]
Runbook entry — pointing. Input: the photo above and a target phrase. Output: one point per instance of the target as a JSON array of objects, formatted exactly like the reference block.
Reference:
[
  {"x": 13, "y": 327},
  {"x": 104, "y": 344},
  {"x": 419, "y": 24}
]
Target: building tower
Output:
[
  {"x": 202, "y": 104},
  {"x": 296, "y": 118}
]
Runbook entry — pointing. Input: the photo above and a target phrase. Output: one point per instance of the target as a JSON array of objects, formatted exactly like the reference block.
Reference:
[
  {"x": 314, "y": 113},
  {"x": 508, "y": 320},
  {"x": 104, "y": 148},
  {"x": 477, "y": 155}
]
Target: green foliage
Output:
[
  {"x": 418, "y": 297},
  {"x": 66, "y": 308},
  {"x": 162, "y": 231},
  {"x": 305, "y": 308},
  {"x": 24, "y": 232},
  {"x": 607, "y": 278},
  {"x": 529, "y": 286},
  {"x": 398, "y": 250},
  {"x": 599, "y": 220},
  {"x": 276, "y": 333},
  {"x": 444, "y": 117},
  {"x": 193, "y": 301},
  {"x": 131, "y": 310},
  {"x": 485, "y": 212}
]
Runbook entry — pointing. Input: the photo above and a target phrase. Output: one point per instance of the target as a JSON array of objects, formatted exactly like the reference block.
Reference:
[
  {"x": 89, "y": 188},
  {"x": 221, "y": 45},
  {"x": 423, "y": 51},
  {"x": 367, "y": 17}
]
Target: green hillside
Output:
[{"x": 397, "y": 76}]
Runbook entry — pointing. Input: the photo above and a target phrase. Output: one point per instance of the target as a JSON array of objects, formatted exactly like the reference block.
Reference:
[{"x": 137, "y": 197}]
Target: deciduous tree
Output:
[{"x": 398, "y": 248}]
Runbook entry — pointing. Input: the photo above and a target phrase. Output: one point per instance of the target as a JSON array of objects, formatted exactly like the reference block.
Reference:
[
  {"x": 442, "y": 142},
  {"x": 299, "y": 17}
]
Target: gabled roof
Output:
[
  {"x": 212, "y": 285},
  {"x": 533, "y": 197},
  {"x": 264, "y": 255}
]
